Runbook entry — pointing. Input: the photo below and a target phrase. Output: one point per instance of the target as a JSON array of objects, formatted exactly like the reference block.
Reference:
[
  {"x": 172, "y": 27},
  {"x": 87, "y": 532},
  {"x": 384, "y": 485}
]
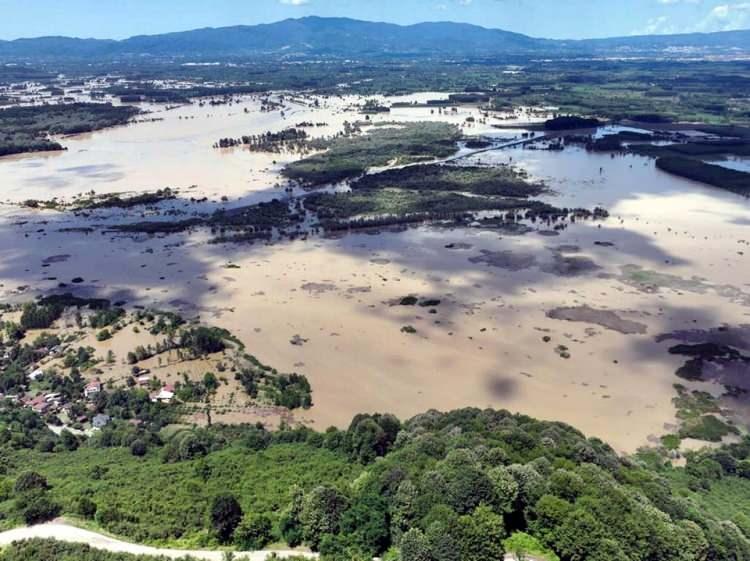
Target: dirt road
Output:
[{"x": 66, "y": 533}]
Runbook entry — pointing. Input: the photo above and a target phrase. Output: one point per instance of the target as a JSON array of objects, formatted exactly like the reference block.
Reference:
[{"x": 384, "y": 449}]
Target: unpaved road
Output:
[{"x": 66, "y": 533}]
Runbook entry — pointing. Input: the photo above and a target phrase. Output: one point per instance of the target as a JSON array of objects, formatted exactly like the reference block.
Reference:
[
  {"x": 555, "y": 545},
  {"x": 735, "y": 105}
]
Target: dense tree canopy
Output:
[{"x": 466, "y": 485}]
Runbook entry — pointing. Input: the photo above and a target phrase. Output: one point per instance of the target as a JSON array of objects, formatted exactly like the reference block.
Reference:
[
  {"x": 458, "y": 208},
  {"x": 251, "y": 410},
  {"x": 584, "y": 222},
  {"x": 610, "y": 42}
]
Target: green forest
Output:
[{"x": 468, "y": 484}]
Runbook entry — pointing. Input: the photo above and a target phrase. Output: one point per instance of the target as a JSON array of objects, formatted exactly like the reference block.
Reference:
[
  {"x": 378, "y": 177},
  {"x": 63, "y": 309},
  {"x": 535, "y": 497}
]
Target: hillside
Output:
[{"x": 438, "y": 487}]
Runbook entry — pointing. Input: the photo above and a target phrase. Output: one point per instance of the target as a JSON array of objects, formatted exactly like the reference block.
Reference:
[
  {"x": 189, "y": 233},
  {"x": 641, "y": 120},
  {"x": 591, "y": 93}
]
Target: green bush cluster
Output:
[
  {"x": 25, "y": 129},
  {"x": 292, "y": 391}
]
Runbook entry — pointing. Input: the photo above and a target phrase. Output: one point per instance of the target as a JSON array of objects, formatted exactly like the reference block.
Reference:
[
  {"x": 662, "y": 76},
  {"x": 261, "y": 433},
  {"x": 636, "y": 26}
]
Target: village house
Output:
[
  {"x": 165, "y": 395},
  {"x": 92, "y": 389},
  {"x": 100, "y": 421},
  {"x": 39, "y": 404}
]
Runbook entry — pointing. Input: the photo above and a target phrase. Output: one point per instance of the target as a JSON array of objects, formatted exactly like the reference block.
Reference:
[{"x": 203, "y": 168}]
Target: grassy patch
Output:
[
  {"x": 160, "y": 503},
  {"x": 399, "y": 202},
  {"x": 523, "y": 545},
  {"x": 691, "y": 405},
  {"x": 707, "y": 427},
  {"x": 671, "y": 441},
  {"x": 501, "y": 181},
  {"x": 348, "y": 157},
  {"x": 425, "y": 192}
]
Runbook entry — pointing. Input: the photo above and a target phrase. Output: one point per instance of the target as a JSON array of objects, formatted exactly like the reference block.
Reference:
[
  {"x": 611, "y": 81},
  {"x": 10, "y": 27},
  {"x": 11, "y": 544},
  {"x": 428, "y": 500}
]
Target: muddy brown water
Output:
[{"x": 484, "y": 346}]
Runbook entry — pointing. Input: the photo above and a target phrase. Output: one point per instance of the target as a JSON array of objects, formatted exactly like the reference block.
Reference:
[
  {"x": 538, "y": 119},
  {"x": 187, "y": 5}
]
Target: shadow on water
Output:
[
  {"x": 483, "y": 277},
  {"x": 501, "y": 387},
  {"x": 179, "y": 271}
]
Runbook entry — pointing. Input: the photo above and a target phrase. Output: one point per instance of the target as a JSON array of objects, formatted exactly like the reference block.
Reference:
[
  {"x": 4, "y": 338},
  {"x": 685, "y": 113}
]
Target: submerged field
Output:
[{"x": 327, "y": 304}]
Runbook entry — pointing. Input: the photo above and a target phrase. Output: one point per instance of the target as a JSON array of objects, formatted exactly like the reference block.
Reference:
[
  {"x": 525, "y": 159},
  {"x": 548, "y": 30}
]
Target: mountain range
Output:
[{"x": 343, "y": 37}]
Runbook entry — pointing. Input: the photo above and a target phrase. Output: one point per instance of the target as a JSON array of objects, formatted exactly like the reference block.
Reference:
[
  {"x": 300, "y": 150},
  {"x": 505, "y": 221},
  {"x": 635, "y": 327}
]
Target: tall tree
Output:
[{"x": 226, "y": 514}]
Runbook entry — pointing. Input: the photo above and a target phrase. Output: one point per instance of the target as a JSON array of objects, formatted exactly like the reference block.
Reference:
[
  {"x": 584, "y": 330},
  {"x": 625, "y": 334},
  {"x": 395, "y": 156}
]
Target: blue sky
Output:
[{"x": 541, "y": 18}]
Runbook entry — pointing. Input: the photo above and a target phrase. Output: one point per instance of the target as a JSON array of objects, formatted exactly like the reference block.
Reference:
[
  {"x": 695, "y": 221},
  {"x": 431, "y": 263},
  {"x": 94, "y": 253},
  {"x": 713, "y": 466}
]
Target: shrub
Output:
[
  {"x": 107, "y": 515},
  {"x": 138, "y": 448},
  {"x": 291, "y": 391},
  {"x": 707, "y": 427},
  {"x": 30, "y": 481},
  {"x": 6, "y": 488},
  {"x": 254, "y": 532},
  {"x": 106, "y": 317},
  {"x": 36, "y": 507},
  {"x": 86, "y": 508},
  {"x": 103, "y": 335},
  {"x": 743, "y": 469}
]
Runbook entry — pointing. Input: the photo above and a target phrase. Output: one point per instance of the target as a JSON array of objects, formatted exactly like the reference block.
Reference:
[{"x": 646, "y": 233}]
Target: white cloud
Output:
[
  {"x": 726, "y": 17},
  {"x": 660, "y": 25},
  {"x": 295, "y": 2}
]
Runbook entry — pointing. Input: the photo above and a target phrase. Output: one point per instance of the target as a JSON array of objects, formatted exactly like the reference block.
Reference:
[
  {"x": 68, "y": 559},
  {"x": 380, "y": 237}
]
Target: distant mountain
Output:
[
  {"x": 342, "y": 37},
  {"x": 718, "y": 41},
  {"x": 57, "y": 46}
]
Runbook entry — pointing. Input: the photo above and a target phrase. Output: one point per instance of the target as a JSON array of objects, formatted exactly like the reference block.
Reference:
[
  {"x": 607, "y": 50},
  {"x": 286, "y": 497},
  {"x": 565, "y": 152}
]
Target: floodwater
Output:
[
  {"x": 176, "y": 150},
  {"x": 489, "y": 342},
  {"x": 734, "y": 162}
]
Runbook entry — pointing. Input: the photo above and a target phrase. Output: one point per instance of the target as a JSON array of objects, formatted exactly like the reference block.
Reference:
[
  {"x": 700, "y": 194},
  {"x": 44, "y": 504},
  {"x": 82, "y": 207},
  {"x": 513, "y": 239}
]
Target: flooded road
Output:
[{"x": 673, "y": 255}]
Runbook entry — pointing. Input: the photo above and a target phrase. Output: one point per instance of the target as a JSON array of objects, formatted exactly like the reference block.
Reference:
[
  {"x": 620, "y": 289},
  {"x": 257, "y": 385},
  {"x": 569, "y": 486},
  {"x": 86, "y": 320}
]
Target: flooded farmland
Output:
[{"x": 672, "y": 256}]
